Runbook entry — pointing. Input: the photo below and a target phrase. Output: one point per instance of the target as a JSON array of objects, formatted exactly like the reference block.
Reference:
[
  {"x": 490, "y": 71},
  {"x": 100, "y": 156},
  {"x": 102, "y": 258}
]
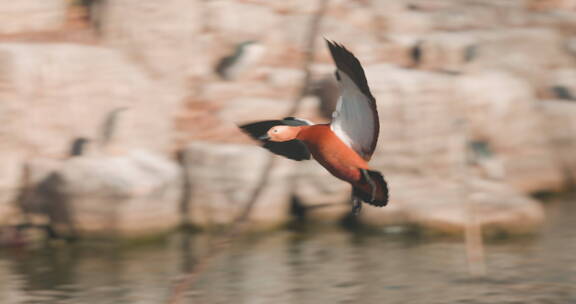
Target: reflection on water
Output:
[{"x": 294, "y": 267}]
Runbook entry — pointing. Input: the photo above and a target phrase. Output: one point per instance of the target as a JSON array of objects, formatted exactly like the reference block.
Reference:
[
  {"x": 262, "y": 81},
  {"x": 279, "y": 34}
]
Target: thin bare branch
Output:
[{"x": 236, "y": 227}]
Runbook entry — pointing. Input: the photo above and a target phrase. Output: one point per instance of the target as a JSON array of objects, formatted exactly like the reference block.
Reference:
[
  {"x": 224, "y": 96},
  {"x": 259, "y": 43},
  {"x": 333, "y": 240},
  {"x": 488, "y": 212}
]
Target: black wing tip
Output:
[
  {"x": 347, "y": 63},
  {"x": 259, "y": 128},
  {"x": 245, "y": 130},
  {"x": 333, "y": 44},
  {"x": 254, "y": 130},
  {"x": 293, "y": 149},
  {"x": 339, "y": 52}
]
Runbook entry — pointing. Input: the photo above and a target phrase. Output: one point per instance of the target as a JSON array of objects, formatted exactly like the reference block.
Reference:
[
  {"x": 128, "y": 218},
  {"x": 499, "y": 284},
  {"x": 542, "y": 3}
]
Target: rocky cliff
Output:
[{"x": 477, "y": 102}]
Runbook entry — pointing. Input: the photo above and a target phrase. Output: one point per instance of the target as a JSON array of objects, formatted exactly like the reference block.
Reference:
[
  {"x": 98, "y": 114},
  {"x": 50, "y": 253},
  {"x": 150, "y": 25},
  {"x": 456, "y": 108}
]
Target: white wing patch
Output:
[{"x": 354, "y": 120}]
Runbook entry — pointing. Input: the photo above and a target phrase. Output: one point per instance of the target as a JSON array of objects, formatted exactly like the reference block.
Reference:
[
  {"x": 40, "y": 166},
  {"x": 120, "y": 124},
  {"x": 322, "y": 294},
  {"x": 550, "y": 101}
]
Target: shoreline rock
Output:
[{"x": 129, "y": 195}]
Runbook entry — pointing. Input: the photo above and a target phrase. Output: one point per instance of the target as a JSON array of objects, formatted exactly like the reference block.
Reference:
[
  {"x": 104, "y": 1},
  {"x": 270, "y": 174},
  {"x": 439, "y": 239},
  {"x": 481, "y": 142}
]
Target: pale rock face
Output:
[
  {"x": 222, "y": 178},
  {"x": 292, "y": 36},
  {"x": 501, "y": 110},
  {"x": 223, "y": 91},
  {"x": 465, "y": 18},
  {"x": 237, "y": 21},
  {"x": 421, "y": 17},
  {"x": 560, "y": 126},
  {"x": 290, "y": 7},
  {"x": 242, "y": 110},
  {"x": 529, "y": 54},
  {"x": 241, "y": 61},
  {"x": 165, "y": 36},
  {"x": 561, "y": 84},
  {"x": 153, "y": 51},
  {"x": 52, "y": 94},
  {"x": 282, "y": 77},
  {"x": 563, "y": 21},
  {"x": 552, "y": 4},
  {"x": 417, "y": 120},
  {"x": 32, "y": 15},
  {"x": 133, "y": 195},
  {"x": 428, "y": 121},
  {"x": 399, "y": 49},
  {"x": 446, "y": 51},
  {"x": 420, "y": 114},
  {"x": 323, "y": 196}
]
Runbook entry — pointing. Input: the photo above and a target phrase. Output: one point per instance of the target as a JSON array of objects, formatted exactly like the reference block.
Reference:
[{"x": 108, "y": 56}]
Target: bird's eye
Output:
[{"x": 275, "y": 130}]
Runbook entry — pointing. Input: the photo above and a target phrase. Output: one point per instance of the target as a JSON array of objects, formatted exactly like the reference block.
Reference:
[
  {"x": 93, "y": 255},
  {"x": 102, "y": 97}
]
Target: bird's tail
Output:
[{"x": 371, "y": 188}]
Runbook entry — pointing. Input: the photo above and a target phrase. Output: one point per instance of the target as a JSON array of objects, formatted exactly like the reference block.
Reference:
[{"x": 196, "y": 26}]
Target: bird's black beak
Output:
[{"x": 264, "y": 137}]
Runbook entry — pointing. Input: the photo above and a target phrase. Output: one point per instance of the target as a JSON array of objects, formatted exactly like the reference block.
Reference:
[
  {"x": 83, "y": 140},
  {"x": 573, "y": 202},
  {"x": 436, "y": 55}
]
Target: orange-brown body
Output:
[
  {"x": 337, "y": 157},
  {"x": 332, "y": 153}
]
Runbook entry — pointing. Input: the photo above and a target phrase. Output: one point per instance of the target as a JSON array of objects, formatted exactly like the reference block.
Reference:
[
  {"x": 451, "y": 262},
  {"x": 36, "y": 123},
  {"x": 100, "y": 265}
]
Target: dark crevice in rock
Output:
[{"x": 185, "y": 198}]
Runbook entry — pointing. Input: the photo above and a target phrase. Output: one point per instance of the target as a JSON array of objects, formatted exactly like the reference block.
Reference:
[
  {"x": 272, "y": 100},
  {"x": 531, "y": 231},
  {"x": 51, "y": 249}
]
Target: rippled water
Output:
[{"x": 332, "y": 266}]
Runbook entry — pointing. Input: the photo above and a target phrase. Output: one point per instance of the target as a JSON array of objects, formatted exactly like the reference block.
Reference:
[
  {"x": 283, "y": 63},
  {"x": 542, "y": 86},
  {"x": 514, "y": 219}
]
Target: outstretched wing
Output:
[
  {"x": 292, "y": 149},
  {"x": 355, "y": 120}
]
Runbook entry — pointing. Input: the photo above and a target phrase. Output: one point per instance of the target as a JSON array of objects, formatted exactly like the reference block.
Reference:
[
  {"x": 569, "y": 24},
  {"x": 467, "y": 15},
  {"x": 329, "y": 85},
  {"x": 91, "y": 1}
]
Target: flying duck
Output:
[{"x": 346, "y": 144}]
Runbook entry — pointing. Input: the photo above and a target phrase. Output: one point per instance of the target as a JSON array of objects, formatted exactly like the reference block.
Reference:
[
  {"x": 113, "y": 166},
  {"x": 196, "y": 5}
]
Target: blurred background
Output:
[{"x": 124, "y": 177}]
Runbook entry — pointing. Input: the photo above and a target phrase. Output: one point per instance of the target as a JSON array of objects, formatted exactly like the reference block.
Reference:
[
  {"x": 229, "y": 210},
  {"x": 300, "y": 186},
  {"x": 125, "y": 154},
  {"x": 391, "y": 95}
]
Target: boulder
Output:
[
  {"x": 560, "y": 126},
  {"x": 36, "y": 195},
  {"x": 421, "y": 115},
  {"x": 222, "y": 178},
  {"x": 438, "y": 206},
  {"x": 432, "y": 127},
  {"x": 503, "y": 116},
  {"x": 32, "y": 15},
  {"x": 132, "y": 195},
  {"x": 54, "y": 94}
]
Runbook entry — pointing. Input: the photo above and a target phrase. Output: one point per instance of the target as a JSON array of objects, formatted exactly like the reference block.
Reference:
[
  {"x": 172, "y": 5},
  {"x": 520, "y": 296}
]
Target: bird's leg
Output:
[
  {"x": 356, "y": 205},
  {"x": 370, "y": 181}
]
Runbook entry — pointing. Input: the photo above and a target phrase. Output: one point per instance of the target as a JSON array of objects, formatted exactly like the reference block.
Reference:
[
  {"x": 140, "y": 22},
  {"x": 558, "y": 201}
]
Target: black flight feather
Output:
[
  {"x": 292, "y": 149},
  {"x": 347, "y": 63}
]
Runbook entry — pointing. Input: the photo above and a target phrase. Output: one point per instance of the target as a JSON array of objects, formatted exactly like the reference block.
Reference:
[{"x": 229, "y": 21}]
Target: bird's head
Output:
[{"x": 282, "y": 133}]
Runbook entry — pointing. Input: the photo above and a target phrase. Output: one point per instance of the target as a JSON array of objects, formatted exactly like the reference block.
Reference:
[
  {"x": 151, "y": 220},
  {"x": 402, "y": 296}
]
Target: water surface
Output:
[{"x": 319, "y": 266}]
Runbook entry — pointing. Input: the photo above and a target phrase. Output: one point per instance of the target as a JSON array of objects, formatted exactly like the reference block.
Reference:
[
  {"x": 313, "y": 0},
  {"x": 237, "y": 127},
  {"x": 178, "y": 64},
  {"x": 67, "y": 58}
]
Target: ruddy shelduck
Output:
[{"x": 345, "y": 145}]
